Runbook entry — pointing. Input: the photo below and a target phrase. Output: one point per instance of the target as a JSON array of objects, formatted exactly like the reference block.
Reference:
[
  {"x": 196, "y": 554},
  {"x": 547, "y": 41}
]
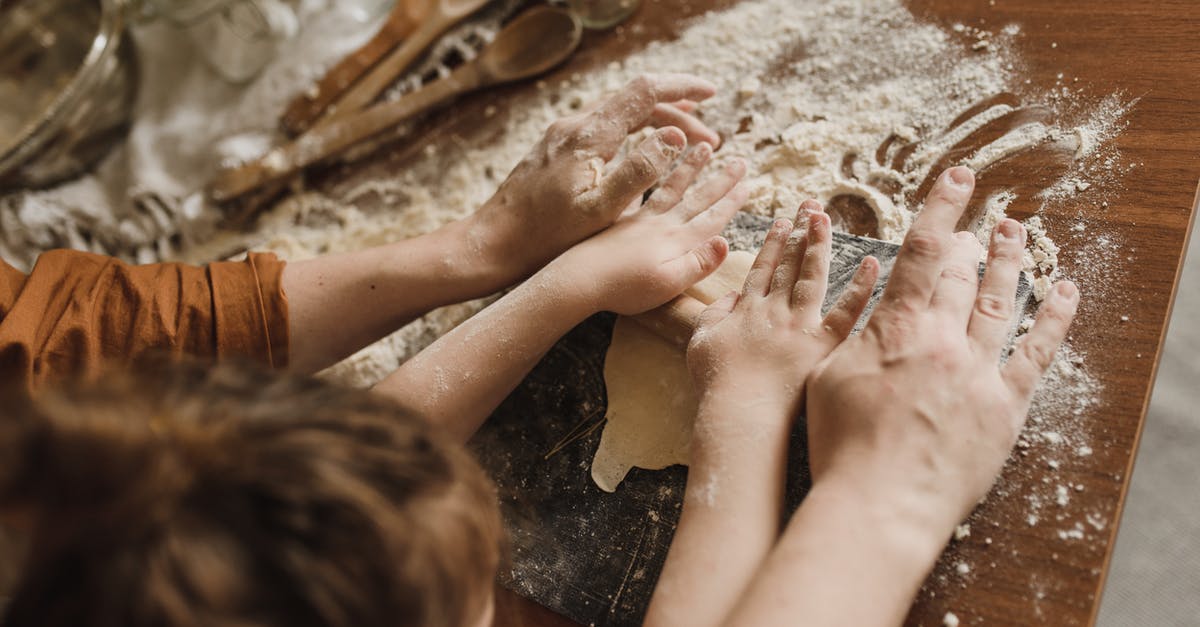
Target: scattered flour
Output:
[{"x": 853, "y": 102}]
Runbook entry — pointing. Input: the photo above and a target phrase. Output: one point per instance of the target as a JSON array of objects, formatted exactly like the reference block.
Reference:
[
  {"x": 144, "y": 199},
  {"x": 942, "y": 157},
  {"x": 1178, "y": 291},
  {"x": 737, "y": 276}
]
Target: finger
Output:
[
  {"x": 687, "y": 106},
  {"x": 718, "y": 310},
  {"x": 958, "y": 284},
  {"x": 813, "y": 280},
  {"x": 793, "y": 253},
  {"x": 630, "y": 108},
  {"x": 641, "y": 168},
  {"x": 1035, "y": 352},
  {"x": 923, "y": 253},
  {"x": 696, "y": 131},
  {"x": 691, "y": 267},
  {"x": 758, "y": 280},
  {"x": 850, "y": 305},
  {"x": 711, "y": 191},
  {"x": 992, "y": 317},
  {"x": 671, "y": 191},
  {"x": 713, "y": 220}
]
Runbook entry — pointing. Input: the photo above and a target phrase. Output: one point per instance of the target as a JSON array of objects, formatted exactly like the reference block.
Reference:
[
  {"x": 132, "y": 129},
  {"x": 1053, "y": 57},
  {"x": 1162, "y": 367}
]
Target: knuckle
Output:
[
  {"x": 923, "y": 244},
  {"x": 993, "y": 307},
  {"x": 643, "y": 84},
  {"x": 1057, "y": 314},
  {"x": 958, "y": 274},
  {"x": 642, "y": 167},
  {"x": 946, "y": 194},
  {"x": 1039, "y": 353}
]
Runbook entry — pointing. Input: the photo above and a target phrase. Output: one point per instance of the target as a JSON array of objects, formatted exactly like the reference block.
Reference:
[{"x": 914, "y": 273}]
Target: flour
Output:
[{"x": 847, "y": 99}]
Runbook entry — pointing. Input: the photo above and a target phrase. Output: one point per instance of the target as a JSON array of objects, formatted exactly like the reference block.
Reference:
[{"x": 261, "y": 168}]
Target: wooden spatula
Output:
[
  {"x": 441, "y": 16},
  {"x": 308, "y": 107},
  {"x": 533, "y": 43}
]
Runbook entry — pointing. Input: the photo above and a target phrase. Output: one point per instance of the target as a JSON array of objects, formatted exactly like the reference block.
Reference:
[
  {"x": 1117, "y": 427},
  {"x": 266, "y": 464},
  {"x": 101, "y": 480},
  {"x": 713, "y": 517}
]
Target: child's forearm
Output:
[
  {"x": 732, "y": 508},
  {"x": 460, "y": 379},
  {"x": 842, "y": 546},
  {"x": 340, "y": 303}
]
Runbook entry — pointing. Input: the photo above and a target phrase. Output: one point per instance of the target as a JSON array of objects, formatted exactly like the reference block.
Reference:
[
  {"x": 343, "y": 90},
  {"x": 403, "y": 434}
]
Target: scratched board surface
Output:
[{"x": 587, "y": 554}]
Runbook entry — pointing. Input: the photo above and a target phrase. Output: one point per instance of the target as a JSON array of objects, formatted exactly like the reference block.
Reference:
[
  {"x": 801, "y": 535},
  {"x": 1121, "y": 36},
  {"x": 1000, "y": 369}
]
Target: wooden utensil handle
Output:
[
  {"x": 675, "y": 321},
  {"x": 385, "y": 73},
  {"x": 326, "y": 141},
  {"x": 306, "y": 108}
]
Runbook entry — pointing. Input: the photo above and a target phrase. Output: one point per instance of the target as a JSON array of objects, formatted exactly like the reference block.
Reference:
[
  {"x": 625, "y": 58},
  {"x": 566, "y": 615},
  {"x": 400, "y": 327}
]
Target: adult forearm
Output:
[
  {"x": 842, "y": 546},
  {"x": 732, "y": 508},
  {"x": 342, "y": 302},
  {"x": 460, "y": 379}
]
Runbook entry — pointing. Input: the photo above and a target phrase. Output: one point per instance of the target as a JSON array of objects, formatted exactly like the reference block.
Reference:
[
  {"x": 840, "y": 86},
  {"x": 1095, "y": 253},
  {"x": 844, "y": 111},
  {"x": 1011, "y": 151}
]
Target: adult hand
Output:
[
  {"x": 660, "y": 249},
  {"x": 565, "y": 190},
  {"x": 766, "y": 340},
  {"x": 916, "y": 413}
]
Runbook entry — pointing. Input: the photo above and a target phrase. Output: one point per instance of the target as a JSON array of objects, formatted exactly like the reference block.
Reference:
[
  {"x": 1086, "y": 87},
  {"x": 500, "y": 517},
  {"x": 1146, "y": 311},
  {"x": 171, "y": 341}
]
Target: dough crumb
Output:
[{"x": 950, "y": 620}]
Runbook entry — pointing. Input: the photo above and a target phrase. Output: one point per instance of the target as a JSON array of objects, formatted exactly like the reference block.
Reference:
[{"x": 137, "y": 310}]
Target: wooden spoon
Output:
[
  {"x": 533, "y": 43},
  {"x": 440, "y": 17},
  {"x": 308, "y": 107}
]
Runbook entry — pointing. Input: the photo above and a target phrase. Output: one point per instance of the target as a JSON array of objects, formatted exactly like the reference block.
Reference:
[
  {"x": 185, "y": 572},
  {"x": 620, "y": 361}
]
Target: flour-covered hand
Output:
[
  {"x": 916, "y": 415},
  {"x": 764, "y": 341},
  {"x": 655, "y": 252},
  {"x": 566, "y": 189}
]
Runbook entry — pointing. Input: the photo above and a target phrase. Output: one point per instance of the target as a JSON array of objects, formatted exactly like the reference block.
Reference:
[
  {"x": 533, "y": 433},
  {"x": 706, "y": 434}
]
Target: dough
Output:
[{"x": 651, "y": 402}]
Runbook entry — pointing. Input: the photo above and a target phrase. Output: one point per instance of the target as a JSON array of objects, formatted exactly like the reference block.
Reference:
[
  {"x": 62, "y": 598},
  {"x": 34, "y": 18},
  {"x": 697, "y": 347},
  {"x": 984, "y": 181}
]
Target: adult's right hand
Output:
[{"x": 916, "y": 413}]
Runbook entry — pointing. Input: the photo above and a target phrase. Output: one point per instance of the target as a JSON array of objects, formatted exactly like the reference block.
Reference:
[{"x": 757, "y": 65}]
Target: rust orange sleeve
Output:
[{"x": 76, "y": 312}]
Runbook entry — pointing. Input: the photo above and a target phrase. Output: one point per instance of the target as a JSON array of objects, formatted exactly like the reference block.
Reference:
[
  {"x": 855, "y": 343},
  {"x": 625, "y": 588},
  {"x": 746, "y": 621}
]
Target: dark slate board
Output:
[{"x": 589, "y": 555}]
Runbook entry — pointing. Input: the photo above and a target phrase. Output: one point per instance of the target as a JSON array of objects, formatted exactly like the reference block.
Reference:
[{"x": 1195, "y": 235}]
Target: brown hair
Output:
[{"x": 234, "y": 497}]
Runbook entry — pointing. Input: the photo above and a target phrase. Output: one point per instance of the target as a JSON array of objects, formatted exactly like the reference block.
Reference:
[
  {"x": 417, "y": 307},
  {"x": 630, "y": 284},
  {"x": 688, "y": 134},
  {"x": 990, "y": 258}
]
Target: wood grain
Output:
[{"x": 1142, "y": 49}]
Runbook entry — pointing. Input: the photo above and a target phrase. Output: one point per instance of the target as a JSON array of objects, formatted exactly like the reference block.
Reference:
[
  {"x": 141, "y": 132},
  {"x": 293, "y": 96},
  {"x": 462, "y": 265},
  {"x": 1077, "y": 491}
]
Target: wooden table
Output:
[{"x": 1027, "y": 574}]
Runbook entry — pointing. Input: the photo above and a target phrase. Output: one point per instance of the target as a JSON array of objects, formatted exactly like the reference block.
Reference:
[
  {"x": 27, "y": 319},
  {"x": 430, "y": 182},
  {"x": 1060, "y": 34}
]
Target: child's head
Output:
[{"x": 232, "y": 497}]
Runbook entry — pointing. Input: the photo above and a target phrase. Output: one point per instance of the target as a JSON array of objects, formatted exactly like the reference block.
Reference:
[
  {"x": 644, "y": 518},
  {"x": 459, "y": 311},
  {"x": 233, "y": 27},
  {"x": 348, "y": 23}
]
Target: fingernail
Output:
[
  {"x": 964, "y": 235},
  {"x": 702, "y": 151},
  {"x": 672, "y": 139},
  {"x": 737, "y": 166},
  {"x": 782, "y": 225},
  {"x": 1068, "y": 290},
  {"x": 817, "y": 219},
  {"x": 961, "y": 176},
  {"x": 1008, "y": 229}
]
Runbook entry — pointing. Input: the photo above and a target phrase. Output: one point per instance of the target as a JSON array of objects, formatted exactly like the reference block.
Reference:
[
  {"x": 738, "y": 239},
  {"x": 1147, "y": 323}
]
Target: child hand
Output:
[
  {"x": 660, "y": 249},
  {"x": 916, "y": 416},
  {"x": 764, "y": 342},
  {"x": 559, "y": 193}
]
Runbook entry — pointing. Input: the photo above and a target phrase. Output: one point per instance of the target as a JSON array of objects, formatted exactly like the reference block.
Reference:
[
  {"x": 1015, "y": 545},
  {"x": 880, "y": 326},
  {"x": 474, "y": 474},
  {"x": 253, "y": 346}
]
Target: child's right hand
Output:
[
  {"x": 654, "y": 253},
  {"x": 763, "y": 343}
]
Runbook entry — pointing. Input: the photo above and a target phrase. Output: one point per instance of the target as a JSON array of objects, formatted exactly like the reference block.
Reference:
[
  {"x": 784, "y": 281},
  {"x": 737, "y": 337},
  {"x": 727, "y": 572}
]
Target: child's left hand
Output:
[
  {"x": 655, "y": 252},
  {"x": 764, "y": 342},
  {"x": 564, "y": 191}
]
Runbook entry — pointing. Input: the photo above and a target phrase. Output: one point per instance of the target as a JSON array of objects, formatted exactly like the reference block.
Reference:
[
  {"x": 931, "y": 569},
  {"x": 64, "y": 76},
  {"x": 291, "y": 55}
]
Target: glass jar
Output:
[{"x": 602, "y": 14}]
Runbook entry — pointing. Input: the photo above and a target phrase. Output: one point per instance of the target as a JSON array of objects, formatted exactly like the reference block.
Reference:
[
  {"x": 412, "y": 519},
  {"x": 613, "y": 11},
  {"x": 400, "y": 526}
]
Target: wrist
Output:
[
  {"x": 557, "y": 288},
  {"x": 903, "y": 524},
  {"x": 732, "y": 410},
  {"x": 739, "y": 389},
  {"x": 484, "y": 255}
]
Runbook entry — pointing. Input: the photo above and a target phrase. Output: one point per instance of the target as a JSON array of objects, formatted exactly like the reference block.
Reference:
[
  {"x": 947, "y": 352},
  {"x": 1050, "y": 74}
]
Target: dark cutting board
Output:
[{"x": 587, "y": 554}]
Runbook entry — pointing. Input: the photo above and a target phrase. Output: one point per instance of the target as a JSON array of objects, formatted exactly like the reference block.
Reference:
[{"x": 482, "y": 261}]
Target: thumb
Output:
[
  {"x": 718, "y": 310},
  {"x": 689, "y": 268}
]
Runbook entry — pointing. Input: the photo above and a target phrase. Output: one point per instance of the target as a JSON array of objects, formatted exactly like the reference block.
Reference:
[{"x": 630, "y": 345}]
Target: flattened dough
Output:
[{"x": 651, "y": 403}]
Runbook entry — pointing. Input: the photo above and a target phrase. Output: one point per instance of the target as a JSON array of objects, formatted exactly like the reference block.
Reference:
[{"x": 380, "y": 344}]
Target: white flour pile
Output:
[{"x": 803, "y": 85}]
